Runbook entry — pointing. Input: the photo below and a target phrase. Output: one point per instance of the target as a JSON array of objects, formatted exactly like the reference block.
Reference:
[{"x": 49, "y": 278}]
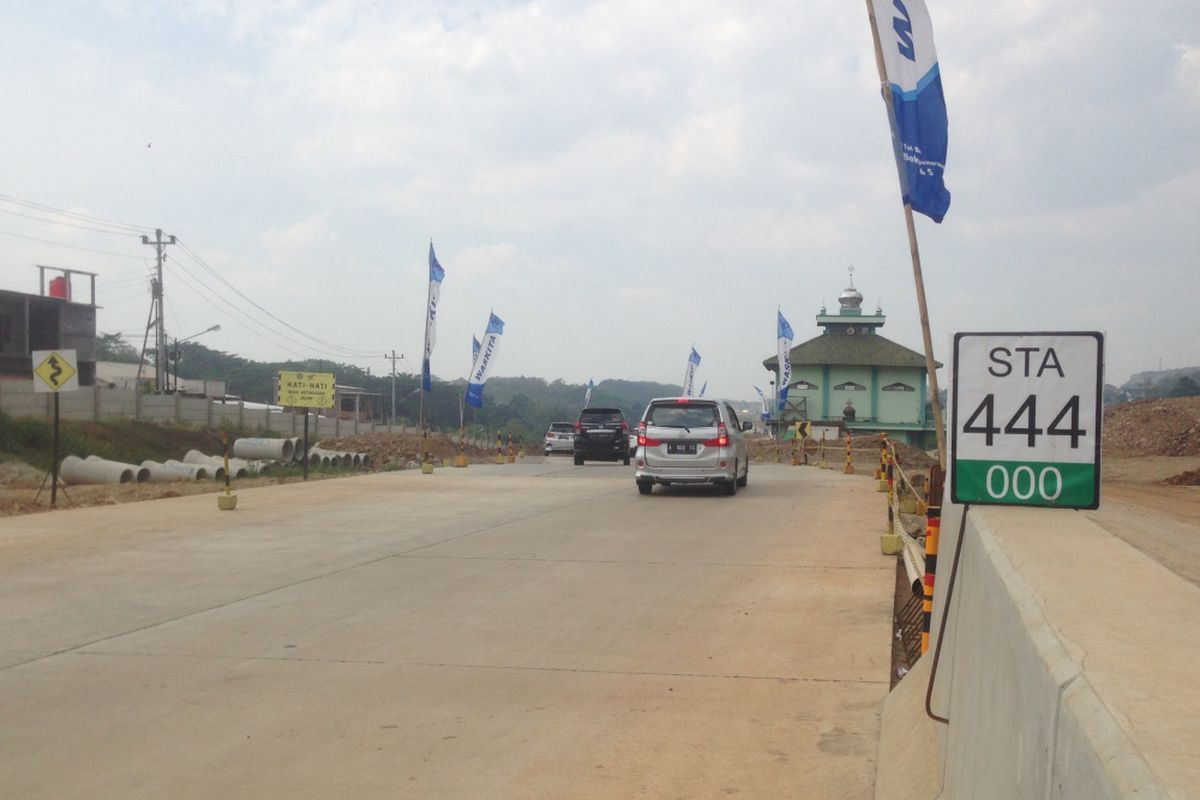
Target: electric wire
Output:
[
  {"x": 73, "y": 246},
  {"x": 186, "y": 279},
  {"x": 348, "y": 351},
  {"x": 110, "y": 232},
  {"x": 75, "y": 214}
]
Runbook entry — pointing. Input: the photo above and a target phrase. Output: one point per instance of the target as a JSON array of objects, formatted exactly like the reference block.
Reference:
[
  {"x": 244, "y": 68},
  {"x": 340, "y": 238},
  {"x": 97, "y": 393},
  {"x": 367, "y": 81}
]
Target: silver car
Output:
[
  {"x": 560, "y": 437},
  {"x": 689, "y": 440}
]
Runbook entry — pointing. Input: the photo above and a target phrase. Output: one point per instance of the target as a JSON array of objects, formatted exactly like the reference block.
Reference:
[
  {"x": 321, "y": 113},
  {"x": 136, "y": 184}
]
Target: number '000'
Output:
[{"x": 1024, "y": 483}]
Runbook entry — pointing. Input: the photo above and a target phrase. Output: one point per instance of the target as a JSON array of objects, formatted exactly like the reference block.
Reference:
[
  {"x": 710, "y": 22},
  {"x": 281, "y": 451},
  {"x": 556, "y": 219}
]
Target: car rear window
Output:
[
  {"x": 562, "y": 427},
  {"x": 683, "y": 415},
  {"x": 601, "y": 416}
]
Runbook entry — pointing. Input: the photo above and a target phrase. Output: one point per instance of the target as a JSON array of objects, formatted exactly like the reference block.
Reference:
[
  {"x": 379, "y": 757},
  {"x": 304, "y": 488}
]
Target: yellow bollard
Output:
[
  {"x": 227, "y": 500},
  {"x": 499, "y": 449},
  {"x": 849, "y": 468},
  {"x": 512, "y": 456}
]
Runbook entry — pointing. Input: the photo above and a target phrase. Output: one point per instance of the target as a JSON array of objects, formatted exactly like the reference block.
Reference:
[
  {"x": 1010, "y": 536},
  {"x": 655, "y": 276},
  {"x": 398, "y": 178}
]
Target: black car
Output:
[{"x": 601, "y": 434}]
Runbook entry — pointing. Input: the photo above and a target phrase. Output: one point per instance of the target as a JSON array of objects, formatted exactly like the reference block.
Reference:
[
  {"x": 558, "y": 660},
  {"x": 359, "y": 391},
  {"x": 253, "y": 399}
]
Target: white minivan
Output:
[{"x": 690, "y": 440}]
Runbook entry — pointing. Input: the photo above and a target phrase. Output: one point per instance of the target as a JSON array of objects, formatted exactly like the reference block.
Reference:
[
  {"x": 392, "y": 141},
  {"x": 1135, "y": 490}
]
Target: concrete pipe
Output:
[
  {"x": 140, "y": 473},
  {"x": 250, "y": 467},
  {"x": 237, "y": 467},
  {"x": 297, "y": 449},
  {"x": 214, "y": 471},
  {"x": 282, "y": 450},
  {"x": 327, "y": 458},
  {"x": 364, "y": 460},
  {"x": 76, "y": 470},
  {"x": 167, "y": 473},
  {"x": 914, "y": 564}
]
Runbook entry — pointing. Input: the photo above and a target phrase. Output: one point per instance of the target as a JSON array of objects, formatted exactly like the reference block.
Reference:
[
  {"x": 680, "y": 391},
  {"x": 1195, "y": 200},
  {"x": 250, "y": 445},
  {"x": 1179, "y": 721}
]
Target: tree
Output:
[
  {"x": 111, "y": 347},
  {"x": 1186, "y": 386}
]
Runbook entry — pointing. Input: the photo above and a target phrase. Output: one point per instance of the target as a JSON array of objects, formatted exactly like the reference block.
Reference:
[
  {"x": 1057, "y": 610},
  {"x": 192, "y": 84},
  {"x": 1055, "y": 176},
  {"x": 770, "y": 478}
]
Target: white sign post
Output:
[{"x": 1025, "y": 430}]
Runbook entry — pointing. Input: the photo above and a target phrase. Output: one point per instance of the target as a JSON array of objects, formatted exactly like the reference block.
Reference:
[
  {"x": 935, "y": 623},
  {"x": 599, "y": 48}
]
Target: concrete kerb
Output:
[{"x": 1024, "y": 719}]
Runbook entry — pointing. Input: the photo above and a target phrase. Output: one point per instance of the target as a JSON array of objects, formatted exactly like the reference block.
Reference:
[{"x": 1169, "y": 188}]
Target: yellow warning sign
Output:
[
  {"x": 306, "y": 389},
  {"x": 55, "y": 371}
]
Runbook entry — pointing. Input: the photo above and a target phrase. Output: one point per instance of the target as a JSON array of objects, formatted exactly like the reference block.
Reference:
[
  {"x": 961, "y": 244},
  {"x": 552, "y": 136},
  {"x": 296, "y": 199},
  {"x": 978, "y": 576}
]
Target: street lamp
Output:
[{"x": 175, "y": 349}]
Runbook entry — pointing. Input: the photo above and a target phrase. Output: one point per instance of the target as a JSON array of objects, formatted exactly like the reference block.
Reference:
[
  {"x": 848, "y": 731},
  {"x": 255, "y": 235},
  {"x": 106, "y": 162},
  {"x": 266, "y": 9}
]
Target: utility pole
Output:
[
  {"x": 393, "y": 358},
  {"x": 157, "y": 314}
]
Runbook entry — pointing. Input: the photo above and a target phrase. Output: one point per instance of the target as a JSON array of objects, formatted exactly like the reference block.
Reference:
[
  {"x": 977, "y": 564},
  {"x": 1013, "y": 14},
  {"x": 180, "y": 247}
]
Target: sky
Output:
[{"x": 619, "y": 181}]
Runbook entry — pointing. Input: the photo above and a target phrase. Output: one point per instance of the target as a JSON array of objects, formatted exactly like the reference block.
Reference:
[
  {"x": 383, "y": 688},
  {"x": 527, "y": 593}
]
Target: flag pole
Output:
[{"x": 918, "y": 279}]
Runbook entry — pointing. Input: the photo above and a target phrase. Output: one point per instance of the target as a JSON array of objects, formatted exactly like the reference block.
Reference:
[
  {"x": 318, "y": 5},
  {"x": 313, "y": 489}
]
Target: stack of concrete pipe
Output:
[
  {"x": 238, "y": 467},
  {"x": 337, "y": 458},
  {"x": 214, "y": 471},
  {"x": 93, "y": 469},
  {"x": 168, "y": 473}
]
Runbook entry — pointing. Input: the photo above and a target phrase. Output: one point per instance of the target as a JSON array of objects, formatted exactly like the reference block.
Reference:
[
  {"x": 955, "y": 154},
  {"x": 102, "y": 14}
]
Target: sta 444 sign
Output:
[{"x": 1025, "y": 429}]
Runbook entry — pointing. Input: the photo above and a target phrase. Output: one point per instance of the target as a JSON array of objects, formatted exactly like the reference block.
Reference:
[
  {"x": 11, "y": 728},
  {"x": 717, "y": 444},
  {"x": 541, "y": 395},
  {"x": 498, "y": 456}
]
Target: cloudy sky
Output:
[{"x": 618, "y": 180}]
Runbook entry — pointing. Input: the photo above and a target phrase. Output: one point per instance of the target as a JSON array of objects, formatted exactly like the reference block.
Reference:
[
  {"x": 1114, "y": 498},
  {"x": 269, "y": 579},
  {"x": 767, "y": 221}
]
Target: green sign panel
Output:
[{"x": 1025, "y": 427}]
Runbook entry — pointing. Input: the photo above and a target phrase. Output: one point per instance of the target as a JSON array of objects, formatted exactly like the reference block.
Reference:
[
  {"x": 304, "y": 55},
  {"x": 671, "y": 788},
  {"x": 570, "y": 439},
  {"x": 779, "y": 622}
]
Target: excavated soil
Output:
[{"x": 1157, "y": 427}]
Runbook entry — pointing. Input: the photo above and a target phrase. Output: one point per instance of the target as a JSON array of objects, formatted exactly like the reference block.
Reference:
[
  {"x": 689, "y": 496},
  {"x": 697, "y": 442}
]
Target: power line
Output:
[
  {"x": 110, "y": 232},
  {"x": 351, "y": 351},
  {"x": 75, "y": 215},
  {"x": 72, "y": 246}
]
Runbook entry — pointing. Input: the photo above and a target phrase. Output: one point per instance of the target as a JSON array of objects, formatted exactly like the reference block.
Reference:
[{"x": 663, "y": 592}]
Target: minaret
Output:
[{"x": 850, "y": 320}]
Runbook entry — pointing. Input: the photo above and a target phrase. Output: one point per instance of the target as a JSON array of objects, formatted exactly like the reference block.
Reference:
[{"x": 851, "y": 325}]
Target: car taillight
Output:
[
  {"x": 578, "y": 426},
  {"x": 722, "y": 439},
  {"x": 625, "y": 426},
  {"x": 644, "y": 440}
]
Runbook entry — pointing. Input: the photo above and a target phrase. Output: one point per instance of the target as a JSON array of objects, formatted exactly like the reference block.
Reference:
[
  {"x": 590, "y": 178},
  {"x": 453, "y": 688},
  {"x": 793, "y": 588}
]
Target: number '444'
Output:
[{"x": 1024, "y": 422}]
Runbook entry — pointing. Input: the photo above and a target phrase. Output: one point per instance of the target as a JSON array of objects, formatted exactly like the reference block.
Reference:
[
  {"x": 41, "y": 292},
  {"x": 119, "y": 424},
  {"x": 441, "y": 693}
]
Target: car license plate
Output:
[{"x": 681, "y": 448}]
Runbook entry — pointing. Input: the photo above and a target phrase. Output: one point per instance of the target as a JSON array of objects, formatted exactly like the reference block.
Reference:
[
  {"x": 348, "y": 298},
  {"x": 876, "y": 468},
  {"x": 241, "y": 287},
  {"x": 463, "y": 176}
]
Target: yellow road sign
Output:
[
  {"x": 55, "y": 371},
  {"x": 306, "y": 389}
]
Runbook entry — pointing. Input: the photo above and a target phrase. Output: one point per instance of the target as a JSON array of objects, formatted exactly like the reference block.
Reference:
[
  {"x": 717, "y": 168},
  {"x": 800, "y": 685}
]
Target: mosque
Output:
[{"x": 851, "y": 375}]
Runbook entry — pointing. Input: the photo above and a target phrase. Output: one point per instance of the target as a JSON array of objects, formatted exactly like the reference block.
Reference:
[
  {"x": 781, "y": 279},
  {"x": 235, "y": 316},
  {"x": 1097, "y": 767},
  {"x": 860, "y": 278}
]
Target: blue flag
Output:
[
  {"x": 587, "y": 396},
  {"x": 484, "y": 361},
  {"x": 784, "y": 337},
  {"x": 690, "y": 376},
  {"x": 436, "y": 274},
  {"x": 918, "y": 107},
  {"x": 766, "y": 405}
]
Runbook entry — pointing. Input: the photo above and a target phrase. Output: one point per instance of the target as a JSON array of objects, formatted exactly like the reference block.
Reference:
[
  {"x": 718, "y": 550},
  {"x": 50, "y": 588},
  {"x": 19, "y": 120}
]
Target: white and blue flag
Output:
[
  {"x": 766, "y": 404},
  {"x": 689, "y": 377},
  {"x": 704, "y": 388},
  {"x": 436, "y": 274},
  {"x": 475, "y": 345},
  {"x": 784, "y": 335},
  {"x": 587, "y": 396},
  {"x": 918, "y": 109},
  {"x": 484, "y": 361}
]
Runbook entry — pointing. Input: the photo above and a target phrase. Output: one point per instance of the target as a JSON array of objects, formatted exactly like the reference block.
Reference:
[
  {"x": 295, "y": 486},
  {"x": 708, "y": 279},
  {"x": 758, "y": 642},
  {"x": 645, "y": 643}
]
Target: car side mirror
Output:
[{"x": 747, "y": 426}]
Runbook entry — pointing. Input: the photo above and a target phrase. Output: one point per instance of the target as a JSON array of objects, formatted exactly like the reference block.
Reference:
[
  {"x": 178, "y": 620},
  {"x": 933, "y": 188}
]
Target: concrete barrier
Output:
[{"x": 1068, "y": 670}]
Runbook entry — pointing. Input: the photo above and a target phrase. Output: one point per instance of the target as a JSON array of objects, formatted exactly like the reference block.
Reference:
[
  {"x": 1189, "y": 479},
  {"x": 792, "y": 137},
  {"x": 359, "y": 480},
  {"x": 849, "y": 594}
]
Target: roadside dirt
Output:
[{"x": 26, "y": 490}]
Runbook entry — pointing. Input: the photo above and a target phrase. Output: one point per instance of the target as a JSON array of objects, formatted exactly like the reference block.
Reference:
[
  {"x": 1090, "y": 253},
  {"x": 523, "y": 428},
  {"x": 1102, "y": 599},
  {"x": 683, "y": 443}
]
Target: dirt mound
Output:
[
  {"x": 1189, "y": 478},
  {"x": 1168, "y": 426}
]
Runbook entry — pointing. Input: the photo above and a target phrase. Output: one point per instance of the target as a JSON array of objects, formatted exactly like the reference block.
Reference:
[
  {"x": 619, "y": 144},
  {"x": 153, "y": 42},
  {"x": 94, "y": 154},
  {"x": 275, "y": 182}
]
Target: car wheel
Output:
[
  {"x": 626, "y": 461},
  {"x": 742, "y": 481},
  {"x": 645, "y": 487},
  {"x": 731, "y": 487},
  {"x": 578, "y": 460}
]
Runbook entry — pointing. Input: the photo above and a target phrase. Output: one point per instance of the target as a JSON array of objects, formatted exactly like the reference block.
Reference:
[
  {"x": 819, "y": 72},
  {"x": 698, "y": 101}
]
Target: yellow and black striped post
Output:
[
  {"x": 881, "y": 473},
  {"x": 891, "y": 492},
  {"x": 933, "y": 527},
  {"x": 512, "y": 455},
  {"x": 849, "y": 468},
  {"x": 821, "y": 462},
  {"x": 499, "y": 449}
]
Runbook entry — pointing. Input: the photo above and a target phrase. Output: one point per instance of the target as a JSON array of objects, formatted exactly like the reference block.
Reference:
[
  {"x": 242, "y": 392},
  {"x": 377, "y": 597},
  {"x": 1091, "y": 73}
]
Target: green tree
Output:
[
  {"x": 111, "y": 347},
  {"x": 1186, "y": 386}
]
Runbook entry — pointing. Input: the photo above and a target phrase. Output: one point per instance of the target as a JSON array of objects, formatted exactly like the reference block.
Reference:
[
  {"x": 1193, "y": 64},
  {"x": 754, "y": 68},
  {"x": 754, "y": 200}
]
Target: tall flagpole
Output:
[{"x": 886, "y": 90}]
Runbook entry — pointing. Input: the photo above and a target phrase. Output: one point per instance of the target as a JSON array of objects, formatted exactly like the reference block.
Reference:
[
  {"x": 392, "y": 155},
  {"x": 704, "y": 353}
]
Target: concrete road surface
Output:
[{"x": 536, "y": 630}]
